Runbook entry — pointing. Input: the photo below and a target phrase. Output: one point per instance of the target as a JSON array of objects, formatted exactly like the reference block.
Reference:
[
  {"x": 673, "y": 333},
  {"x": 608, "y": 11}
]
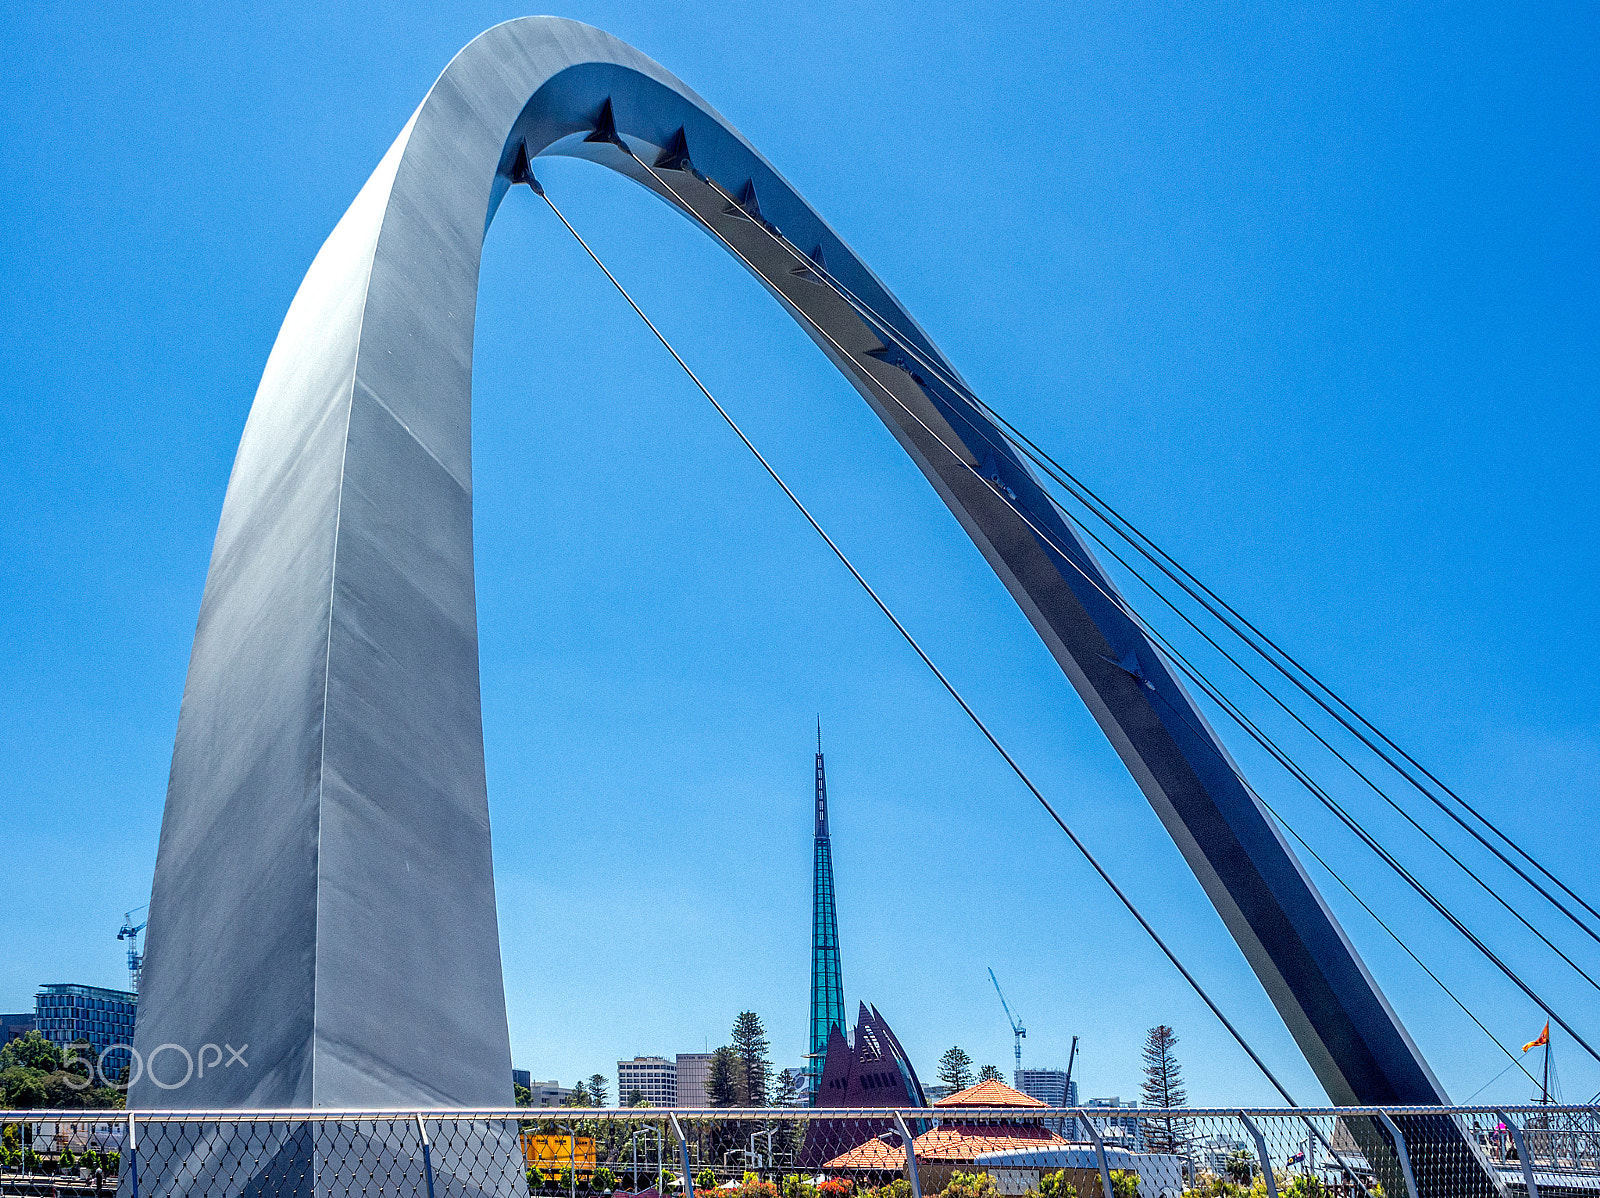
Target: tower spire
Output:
[{"x": 827, "y": 990}]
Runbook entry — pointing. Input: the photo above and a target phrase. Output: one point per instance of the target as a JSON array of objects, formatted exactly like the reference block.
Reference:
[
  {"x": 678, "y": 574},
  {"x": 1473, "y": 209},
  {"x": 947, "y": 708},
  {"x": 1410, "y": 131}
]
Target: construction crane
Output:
[
  {"x": 130, "y": 932},
  {"x": 1017, "y": 1030}
]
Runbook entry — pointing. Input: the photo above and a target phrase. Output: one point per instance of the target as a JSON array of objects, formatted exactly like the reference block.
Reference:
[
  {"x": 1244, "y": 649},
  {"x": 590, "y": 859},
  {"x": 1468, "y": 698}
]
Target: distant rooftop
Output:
[{"x": 989, "y": 1093}]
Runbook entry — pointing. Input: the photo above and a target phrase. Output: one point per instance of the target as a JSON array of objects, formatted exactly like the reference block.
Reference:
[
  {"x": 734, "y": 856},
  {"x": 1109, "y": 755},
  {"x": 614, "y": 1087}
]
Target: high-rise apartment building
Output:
[
  {"x": 692, "y": 1068},
  {"x": 1050, "y": 1086},
  {"x": 654, "y": 1077}
]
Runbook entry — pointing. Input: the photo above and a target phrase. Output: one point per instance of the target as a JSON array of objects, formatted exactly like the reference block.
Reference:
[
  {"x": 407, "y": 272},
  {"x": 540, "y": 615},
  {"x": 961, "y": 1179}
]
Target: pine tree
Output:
[
  {"x": 991, "y": 1073},
  {"x": 955, "y": 1069},
  {"x": 750, "y": 1043},
  {"x": 1163, "y": 1090},
  {"x": 723, "y": 1081}
]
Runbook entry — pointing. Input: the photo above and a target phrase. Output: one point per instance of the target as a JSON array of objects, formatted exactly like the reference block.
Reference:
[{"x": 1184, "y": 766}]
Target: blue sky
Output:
[{"x": 1307, "y": 290}]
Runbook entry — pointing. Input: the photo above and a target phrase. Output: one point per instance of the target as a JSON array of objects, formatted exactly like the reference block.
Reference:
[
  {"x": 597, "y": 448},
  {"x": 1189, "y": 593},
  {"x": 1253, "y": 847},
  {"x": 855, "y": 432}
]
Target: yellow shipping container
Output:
[{"x": 551, "y": 1154}]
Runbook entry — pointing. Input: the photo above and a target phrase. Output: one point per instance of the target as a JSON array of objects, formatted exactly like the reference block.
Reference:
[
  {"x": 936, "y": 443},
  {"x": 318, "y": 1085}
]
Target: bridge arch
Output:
[{"x": 326, "y": 828}]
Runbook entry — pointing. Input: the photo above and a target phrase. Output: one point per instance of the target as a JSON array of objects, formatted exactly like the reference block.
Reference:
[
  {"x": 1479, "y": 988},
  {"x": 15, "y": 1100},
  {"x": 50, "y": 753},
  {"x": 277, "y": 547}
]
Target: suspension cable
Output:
[
  {"x": 1245, "y": 723},
  {"x": 922, "y": 654},
  {"x": 1163, "y": 561}
]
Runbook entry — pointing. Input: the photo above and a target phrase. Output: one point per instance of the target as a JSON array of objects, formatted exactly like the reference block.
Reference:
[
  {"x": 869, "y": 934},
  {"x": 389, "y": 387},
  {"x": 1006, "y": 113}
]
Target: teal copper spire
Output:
[{"x": 827, "y": 990}]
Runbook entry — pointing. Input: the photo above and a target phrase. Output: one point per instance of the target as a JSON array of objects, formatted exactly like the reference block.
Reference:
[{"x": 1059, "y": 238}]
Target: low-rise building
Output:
[
  {"x": 954, "y": 1145},
  {"x": 550, "y": 1093},
  {"x": 13, "y": 1027},
  {"x": 656, "y": 1078},
  {"x": 1118, "y": 1131}
]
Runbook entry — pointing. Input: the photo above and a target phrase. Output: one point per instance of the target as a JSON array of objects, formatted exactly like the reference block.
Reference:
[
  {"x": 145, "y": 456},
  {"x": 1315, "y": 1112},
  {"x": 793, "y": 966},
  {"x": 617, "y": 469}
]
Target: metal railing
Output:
[{"x": 783, "y": 1152}]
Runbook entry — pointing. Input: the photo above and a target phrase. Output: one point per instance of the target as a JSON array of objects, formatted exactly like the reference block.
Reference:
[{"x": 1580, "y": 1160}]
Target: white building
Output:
[
  {"x": 1119, "y": 1131},
  {"x": 692, "y": 1068},
  {"x": 551, "y": 1093},
  {"x": 1017, "y": 1170},
  {"x": 654, "y": 1077}
]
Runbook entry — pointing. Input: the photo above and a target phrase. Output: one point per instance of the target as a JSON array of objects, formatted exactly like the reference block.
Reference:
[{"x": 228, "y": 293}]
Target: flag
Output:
[{"x": 1544, "y": 1038}]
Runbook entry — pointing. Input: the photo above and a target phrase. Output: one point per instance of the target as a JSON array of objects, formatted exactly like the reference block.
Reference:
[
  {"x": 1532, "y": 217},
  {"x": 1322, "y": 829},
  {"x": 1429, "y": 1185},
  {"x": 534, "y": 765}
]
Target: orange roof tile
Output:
[
  {"x": 958, "y": 1142},
  {"x": 988, "y": 1093}
]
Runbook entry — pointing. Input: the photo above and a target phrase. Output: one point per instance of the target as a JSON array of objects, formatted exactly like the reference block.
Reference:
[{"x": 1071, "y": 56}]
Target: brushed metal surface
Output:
[{"x": 323, "y": 888}]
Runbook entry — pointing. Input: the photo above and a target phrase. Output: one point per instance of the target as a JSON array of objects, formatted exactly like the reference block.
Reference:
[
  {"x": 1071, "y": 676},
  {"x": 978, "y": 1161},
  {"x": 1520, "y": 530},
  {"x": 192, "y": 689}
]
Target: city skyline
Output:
[{"x": 1372, "y": 516}]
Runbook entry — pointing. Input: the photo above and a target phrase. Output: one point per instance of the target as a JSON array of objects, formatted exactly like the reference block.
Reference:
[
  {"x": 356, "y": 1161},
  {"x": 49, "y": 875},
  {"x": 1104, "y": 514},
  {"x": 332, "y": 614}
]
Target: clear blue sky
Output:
[{"x": 1308, "y": 290}]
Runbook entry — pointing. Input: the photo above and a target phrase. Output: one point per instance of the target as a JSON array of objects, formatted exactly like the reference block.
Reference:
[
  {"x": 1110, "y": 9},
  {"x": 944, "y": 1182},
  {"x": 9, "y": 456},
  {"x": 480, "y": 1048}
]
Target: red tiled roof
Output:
[
  {"x": 957, "y": 1142},
  {"x": 988, "y": 1093}
]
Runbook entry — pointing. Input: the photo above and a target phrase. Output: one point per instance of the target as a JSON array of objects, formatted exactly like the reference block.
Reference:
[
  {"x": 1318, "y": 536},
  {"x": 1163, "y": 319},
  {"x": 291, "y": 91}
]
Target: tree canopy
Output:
[
  {"x": 1163, "y": 1089},
  {"x": 955, "y": 1069},
  {"x": 35, "y": 1073}
]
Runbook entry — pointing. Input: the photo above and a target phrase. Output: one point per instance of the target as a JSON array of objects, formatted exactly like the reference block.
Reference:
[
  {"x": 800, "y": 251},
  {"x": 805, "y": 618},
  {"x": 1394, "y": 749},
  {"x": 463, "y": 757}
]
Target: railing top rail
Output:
[{"x": 642, "y": 1114}]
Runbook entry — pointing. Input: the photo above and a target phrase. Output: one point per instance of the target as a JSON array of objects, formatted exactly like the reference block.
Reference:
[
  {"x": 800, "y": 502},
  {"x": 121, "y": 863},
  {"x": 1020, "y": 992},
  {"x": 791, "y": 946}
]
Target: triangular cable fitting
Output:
[
  {"x": 747, "y": 205},
  {"x": 1128, "y": 663},
  {"x": 815, "y": 271},
  {"x": 889, "y": 354},
  {"x": 605, "y": 128},
  {"x": 521, "y": 172},
  {"x": 676, "y": 156}
]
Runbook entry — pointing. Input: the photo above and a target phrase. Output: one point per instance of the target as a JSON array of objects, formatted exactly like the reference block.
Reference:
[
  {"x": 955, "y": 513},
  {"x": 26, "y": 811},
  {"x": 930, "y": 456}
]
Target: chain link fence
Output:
[{"x": 944, "y": 1152}]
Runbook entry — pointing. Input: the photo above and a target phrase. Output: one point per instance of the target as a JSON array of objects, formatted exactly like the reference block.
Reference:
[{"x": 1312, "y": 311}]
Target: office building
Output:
[
  {"x": 67, "y": 1014},
  {"x": 656, "y": 1078},
  {"x": 521, "y": 1077},
  {"x": 691, "y": 1070},
  {"x": 15, "y": 1026}
]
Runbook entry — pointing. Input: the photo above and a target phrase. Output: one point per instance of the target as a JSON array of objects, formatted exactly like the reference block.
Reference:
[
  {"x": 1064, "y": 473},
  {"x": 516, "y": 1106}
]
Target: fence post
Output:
[
  {"x": 1522, "y": 1153},
  {"x": 683, "y": 1153},
  {"x": 133, "y": 1157},
  {"x": 1261, "y": 1151},
  {"x": 1100, "y": 1154},
  {"x": 427, "y": 1156},
  {"x": 911, "y": 1156},
  {"x": 1403, "y": 1153}
]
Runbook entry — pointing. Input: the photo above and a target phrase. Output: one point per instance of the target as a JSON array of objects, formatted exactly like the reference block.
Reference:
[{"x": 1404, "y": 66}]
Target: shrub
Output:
[
  {"x": 898, "y": 1188},
  {"x": 705, "y": 1180},
  {"x": 973, "y": 1185},
  {"x": 795, "y": 1186},
  {"x": 1056, "y": 1185},
  {"x": 604, "y": 1179},
  {"x": 1124, "y": 1183},
  {"x": 836, "y": 1187}
]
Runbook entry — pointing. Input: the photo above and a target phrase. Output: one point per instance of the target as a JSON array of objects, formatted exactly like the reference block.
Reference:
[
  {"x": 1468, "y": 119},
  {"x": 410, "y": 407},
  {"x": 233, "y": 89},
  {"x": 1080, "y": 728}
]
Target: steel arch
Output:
[{"x": 327, "y": 819}]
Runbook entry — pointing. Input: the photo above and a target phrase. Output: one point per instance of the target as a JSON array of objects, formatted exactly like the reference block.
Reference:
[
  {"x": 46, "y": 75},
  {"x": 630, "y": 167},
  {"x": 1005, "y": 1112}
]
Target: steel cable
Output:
[
  {"x": 922, "y": 654},
  {"x": 1245, "y": 723},
  {"x": 1163, "y": 561}
]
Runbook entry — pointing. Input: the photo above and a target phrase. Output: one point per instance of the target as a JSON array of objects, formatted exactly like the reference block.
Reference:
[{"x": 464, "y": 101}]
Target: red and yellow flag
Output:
[{"x": 1544, "y": 1038}]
